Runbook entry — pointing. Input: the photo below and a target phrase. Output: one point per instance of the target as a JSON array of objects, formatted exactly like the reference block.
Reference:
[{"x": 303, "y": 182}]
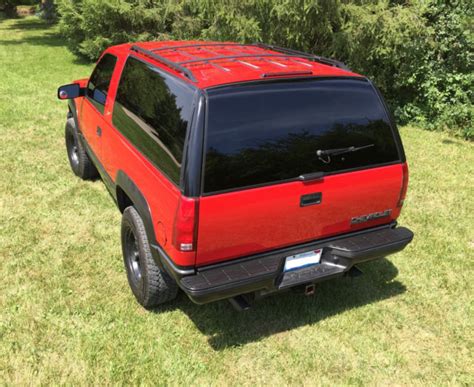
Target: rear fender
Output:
[{"x": 126, "y": 184}]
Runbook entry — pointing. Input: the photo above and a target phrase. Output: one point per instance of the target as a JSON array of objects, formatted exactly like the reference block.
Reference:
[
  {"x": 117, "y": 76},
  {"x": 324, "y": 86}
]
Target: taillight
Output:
[
  {"x": 185, "y": 224},
  {"x": 403, "y": 191}
]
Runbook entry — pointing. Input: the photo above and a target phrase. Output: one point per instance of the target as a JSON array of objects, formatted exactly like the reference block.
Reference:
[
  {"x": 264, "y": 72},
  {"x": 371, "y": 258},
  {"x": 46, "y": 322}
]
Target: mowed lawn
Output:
[{"x": 67, "y": 315}]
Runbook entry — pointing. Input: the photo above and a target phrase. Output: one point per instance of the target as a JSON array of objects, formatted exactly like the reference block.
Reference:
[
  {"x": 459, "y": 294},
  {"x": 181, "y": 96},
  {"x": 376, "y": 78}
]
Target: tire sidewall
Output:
[
  {"x": 129, "y": 224},
  {"x": 83, "y": 166},
  {"x": 71, "y": 132},
  {"x": 155, "y": 286}
]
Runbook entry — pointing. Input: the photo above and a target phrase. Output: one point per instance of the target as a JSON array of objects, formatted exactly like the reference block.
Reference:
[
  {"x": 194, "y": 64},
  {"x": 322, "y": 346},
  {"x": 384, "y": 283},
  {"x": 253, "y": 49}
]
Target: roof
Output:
[{"x": 207, "y": 64}]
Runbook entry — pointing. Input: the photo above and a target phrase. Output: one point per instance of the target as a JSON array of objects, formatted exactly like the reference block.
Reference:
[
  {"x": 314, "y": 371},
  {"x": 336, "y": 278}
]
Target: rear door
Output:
[
  {"x": 93, "y": 105},
  {"x": 279, "y": 168}
]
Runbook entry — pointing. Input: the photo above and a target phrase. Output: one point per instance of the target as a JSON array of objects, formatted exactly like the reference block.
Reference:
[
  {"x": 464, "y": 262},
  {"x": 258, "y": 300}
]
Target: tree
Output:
[{"x": 48, "y": 10}]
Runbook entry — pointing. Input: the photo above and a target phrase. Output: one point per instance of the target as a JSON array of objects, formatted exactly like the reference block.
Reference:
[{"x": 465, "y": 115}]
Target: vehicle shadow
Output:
[{"x": 226, "y": 327}]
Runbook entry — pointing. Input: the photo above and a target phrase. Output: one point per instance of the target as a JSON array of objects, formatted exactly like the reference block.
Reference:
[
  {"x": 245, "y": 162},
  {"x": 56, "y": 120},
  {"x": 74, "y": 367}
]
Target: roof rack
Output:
[
  {"x": 174, "y": 65},
  {"x": 239, "y": 56},
  {"x": 317, "y": 58},
  {"x": 281, "y": 53},
  {"x": 198, "y": 45}
]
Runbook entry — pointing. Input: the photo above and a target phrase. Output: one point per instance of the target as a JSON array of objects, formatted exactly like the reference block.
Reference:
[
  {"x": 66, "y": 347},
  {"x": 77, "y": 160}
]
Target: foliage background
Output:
[{"x": 419, "y": 52}]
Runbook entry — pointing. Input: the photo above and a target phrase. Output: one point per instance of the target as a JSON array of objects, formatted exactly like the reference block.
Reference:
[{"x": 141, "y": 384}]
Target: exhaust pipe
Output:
[
  {"x": 239, "y": 303},
  {"x": 309, "y": 290}
]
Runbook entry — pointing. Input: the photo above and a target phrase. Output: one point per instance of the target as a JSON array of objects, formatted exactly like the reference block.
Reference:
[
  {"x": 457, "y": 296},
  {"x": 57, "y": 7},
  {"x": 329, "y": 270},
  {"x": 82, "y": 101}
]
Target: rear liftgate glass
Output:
[{"x": 275, "y": 132}]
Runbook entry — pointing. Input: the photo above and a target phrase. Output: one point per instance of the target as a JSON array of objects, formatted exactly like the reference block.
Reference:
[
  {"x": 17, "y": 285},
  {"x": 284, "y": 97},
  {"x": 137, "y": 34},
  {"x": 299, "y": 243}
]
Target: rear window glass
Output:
[{"x": 260, "y": 134}]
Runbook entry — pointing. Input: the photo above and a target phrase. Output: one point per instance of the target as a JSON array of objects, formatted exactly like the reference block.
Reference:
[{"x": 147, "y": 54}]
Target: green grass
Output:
[{"x": 67, "y": 315}]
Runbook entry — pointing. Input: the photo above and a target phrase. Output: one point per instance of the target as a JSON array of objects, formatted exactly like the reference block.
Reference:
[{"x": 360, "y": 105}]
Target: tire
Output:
[
  {"x": 79, "y": 160},
  {"x": 150, "y": 285}
]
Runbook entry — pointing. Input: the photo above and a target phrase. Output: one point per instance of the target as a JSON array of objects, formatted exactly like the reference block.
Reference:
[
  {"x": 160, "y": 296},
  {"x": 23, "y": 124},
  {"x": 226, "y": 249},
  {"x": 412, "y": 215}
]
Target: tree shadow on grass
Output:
[
  {"x": 48, "y": 39},
  {"x": 226, "y": 327},
  {"x": 448, "y": 141},
  {"x": 30, "y": 24},
  {"x": 52, "y": 38}
]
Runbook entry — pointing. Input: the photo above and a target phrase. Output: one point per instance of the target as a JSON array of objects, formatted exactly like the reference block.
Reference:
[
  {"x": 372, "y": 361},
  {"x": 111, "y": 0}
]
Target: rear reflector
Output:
[
  {"x": 185, "y": 224},
  {"x": 403, "y": 191}
]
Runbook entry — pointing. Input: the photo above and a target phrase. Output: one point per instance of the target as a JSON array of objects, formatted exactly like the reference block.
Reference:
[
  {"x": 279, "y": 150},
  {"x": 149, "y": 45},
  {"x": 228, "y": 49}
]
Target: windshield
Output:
[{"x": 264, "y": 133}]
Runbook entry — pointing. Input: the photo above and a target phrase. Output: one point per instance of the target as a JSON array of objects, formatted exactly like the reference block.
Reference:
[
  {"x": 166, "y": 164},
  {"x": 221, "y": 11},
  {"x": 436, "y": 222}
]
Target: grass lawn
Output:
[{"x": 67, "y": 315}]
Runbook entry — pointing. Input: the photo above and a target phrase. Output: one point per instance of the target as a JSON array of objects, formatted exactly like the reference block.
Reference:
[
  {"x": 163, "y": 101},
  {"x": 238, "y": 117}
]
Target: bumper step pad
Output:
[
  {"x": 365, "y": 245},
  {"x": 256, "y": 268}
]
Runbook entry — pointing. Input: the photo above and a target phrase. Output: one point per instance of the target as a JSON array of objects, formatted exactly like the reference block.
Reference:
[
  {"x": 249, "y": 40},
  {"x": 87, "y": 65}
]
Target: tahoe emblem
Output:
[{"x": 374, "y": 215}]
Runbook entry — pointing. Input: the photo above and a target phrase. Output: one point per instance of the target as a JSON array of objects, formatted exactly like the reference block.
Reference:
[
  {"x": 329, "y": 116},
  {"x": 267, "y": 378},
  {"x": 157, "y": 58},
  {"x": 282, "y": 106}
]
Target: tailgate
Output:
[{"x": 246, "y": 222}]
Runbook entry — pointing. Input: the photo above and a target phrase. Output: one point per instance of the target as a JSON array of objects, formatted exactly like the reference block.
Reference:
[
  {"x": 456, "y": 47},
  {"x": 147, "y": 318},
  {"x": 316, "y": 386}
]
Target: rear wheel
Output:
[
  {"x": 79, "y": 160},
  {"x": 150, "y": 285}
]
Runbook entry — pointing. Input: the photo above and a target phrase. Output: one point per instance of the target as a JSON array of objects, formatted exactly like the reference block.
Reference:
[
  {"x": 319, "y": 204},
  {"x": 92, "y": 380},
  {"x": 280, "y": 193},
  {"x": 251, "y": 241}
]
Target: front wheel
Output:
[
  {"x": 79, "y": 160},
  {"x": 150, "y": 285}
]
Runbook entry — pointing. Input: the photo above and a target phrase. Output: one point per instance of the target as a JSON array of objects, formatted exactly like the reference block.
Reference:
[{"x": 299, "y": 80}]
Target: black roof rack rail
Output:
[
  {"x": 240, "y": 56},
  {"x": 198, "y": 45},
  {"x": 175, "y": 66},
  {"x": 317, "y": 58}
]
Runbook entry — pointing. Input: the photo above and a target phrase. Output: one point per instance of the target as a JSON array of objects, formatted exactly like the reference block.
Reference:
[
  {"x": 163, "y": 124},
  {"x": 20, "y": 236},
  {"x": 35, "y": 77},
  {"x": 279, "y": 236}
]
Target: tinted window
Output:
[
  {"x": 99, "y": 82},
  {"x": 153, "y": 110},
  {"x": 266, "y": 133}
]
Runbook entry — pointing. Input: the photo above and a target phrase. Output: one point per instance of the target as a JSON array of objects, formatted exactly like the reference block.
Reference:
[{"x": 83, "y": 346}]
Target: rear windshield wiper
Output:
[{"x": 325, "y": 154}]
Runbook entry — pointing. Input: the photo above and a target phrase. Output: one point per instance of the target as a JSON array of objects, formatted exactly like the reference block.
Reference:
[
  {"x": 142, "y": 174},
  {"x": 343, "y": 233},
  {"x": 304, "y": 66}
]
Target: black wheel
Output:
[
  {"x": 150, "y": 285},
  {"x": 80, "y": 162}
]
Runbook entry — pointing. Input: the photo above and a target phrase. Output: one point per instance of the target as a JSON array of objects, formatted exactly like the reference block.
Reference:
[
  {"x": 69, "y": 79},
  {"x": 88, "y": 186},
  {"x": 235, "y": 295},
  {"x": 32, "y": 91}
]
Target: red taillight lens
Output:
[
  {"x": 185, "y": 224},
  {"x": 403, "y": 191}
]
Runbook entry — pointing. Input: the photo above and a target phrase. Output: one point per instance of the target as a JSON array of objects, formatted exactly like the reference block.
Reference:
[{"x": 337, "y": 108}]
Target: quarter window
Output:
[
  {"x": 99, "y": 82},
  {"x": 153, "y": 110}
]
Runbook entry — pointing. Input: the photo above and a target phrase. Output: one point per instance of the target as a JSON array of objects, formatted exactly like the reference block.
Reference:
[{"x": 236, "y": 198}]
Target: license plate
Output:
[{"x": 298, "y": 261}]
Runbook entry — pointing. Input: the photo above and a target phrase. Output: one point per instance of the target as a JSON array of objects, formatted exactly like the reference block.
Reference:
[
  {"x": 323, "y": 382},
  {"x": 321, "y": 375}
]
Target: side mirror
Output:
[{"x": 70, "y": 91}]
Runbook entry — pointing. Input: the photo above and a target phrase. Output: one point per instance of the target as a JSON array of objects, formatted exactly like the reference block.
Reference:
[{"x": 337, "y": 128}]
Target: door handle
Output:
[
  {"x": 99, "y": 131},
  {"x": 310, "y": 199}
]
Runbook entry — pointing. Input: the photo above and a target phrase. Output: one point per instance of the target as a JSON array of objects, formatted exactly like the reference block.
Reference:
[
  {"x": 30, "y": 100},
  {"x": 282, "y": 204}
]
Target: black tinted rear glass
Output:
[{"x": 266, "y": 133}]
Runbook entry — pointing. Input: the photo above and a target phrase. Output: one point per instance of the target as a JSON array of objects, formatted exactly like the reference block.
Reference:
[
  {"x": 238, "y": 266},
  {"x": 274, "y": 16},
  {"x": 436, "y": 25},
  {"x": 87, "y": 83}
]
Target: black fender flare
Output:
[
  {"x": 126, "y": 184},
  {"x": 72, "y": 113}
]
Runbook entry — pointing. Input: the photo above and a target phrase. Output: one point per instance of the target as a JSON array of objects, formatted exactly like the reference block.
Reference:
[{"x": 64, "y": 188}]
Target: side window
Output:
[
  {"x": 153, "y": 110},
  {"x": 99, "y": 82}
]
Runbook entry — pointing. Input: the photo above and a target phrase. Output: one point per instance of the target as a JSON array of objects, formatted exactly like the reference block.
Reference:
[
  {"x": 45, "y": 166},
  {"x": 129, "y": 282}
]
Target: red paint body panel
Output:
[
  {"x": 116, "y": 153},
  {"x": 255, "y": 220},
  {"x": 248, "y": 221},
  {"x": 91, "y": 119}
]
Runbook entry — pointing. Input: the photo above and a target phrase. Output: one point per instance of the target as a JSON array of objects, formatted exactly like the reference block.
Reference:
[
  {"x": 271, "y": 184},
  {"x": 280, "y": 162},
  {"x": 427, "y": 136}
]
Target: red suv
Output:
[{"x": 240, "y": 169}]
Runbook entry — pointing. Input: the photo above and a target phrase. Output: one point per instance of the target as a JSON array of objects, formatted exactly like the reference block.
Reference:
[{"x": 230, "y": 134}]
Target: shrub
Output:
[
  {"x": 419, "y": 55},
  {"x": 92, "y": 25}
]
